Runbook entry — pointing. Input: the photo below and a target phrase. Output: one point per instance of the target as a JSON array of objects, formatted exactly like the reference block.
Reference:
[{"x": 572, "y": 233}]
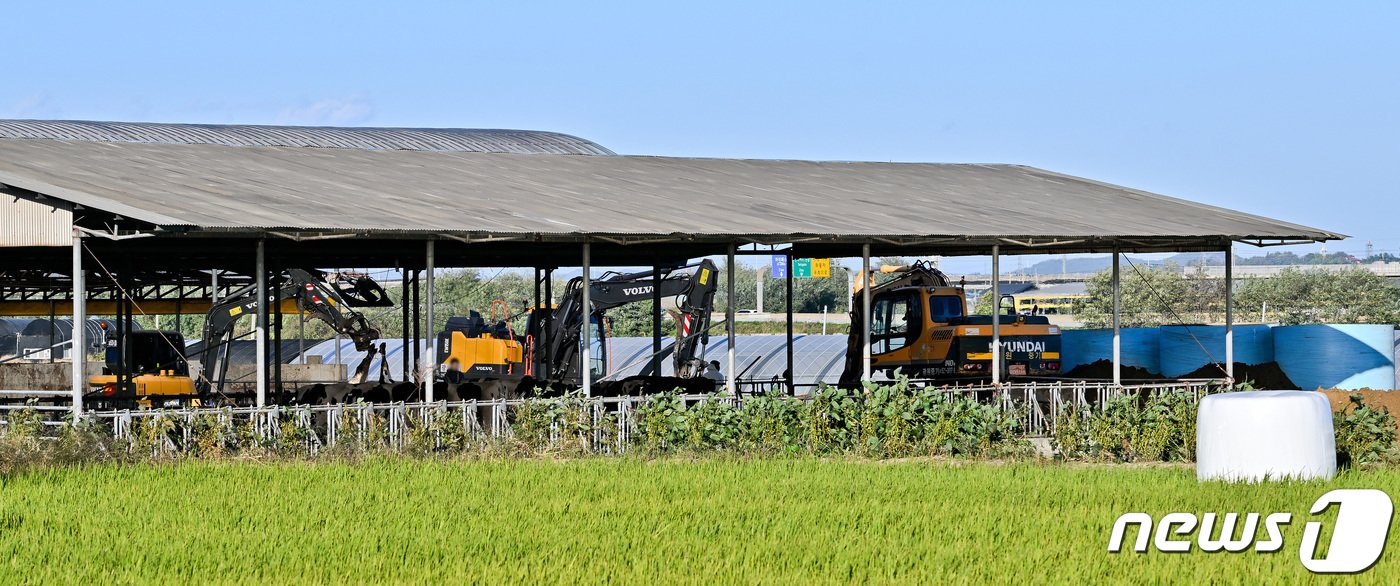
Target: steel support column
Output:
[
  {"x": 430, "y": 284},
  {"x": 528, "y": 353},
  {"x": 277, "y": 319},
  {"x": 260, "y": 328},
  {"x": 730, "y": 385},
  {"x": 790, "y": 375},
  {"x": 78, "y": 342},
  {"x": 586, "y": 328},
  {"x": 656, "y": 321},
  {"x": 1230, "y": 311},
  {"x": 996, "y": 314},
  {"x": 865, "y": 275},
  {"x": 418, "y": 330},
  {"x": 1117, "y": 287},
  {"x": 548, "y": 323},
  {"x": 405, "y": 299}
]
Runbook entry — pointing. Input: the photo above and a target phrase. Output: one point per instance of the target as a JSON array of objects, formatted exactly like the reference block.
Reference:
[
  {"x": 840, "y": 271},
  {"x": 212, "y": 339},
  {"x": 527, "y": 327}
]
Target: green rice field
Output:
[{"x": 710, "y": 521}]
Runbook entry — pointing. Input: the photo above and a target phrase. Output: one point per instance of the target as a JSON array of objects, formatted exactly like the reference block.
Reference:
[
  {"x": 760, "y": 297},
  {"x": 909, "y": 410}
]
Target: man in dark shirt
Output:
[{"x": 454, "y": 374}]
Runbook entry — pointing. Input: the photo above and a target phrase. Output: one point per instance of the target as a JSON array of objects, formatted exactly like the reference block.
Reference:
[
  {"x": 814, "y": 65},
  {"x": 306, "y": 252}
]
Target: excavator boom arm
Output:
[
  {"x": 316, "y": 294},
  {"x": 691, "y": 293}
]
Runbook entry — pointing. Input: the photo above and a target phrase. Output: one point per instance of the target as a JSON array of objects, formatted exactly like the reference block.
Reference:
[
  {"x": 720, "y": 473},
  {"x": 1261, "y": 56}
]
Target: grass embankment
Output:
[{"x": 629, "y": 520}]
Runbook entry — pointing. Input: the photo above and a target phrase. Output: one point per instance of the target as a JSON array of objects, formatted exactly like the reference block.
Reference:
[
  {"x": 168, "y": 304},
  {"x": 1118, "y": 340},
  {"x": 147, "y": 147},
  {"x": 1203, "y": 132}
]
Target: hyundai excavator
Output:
[
  {"x": 546, "y": 355},
  {"x": 920, "y": 327},
  {"x": 159, "y": 371}
]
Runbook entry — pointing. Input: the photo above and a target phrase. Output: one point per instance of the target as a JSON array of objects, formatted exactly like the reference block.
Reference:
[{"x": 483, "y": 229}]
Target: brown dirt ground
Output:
[
  {"x": 1377, "y": 397},
  {"x": 1373, "y": 397}
]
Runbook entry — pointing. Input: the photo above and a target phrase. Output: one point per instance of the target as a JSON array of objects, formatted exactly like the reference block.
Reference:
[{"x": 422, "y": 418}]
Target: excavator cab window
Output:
[
  {"x": 598, "y": 348},
  {"x": 152, "y": 352},
  {"x": 895, "y": 321},
  {"x": 1007, "y": 305},
  {"x": 944, "y": 308}
]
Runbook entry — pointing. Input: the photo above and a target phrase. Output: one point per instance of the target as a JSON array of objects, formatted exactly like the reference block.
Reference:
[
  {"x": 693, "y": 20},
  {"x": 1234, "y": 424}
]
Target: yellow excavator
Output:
[
  {"x": 501, "y": 361},
  {"x": 473, "y": 348},
  {"x": 154, "y": 360},
  {"x": 146, "y": 368},
  {"x": 920, "y": 327}
]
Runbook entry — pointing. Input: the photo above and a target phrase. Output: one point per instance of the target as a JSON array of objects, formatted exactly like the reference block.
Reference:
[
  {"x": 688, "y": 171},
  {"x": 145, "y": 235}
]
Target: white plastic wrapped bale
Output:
[{"x": 1265, "y": 435}]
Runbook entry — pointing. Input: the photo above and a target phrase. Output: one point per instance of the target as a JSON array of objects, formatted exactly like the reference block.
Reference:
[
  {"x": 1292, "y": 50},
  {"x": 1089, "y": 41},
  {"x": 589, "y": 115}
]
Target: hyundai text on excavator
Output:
[
  {"x": 545, "y": 356},
  {"x": 159, "y": 369},
  {"x": 920, "y": 327}
]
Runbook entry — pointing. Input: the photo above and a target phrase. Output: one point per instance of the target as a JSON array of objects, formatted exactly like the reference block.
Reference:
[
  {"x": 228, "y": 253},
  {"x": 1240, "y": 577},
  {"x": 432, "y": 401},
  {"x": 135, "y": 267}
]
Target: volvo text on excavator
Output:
[{"x": 546, "y": 354}]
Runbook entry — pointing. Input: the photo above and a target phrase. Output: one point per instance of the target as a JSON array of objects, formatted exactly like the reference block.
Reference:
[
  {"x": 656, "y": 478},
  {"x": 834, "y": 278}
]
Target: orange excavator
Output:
[{"x": 920, "y": 327}]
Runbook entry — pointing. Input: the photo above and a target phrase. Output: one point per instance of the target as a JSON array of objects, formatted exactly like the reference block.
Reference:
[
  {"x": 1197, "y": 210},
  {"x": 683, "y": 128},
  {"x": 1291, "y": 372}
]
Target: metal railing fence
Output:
[{"x": 601, "y": 425}]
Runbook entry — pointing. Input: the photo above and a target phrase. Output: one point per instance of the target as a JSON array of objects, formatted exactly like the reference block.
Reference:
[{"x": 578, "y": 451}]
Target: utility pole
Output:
[{"x": 759, "y": 279}]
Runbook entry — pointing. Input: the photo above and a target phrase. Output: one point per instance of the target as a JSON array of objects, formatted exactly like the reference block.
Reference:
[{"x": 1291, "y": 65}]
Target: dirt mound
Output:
[
  {"x": 1266, "y": 376},
  {"x": 1103, "y": 369}
]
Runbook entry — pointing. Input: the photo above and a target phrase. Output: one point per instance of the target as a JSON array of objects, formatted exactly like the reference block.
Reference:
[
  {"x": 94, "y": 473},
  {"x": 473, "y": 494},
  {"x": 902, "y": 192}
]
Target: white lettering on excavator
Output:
[
  {"x": 1024, "y": 346},
  {"x": 636, "y": 290}
]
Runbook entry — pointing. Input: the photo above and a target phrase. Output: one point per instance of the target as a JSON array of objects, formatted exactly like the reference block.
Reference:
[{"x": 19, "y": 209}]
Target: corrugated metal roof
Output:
[
  {"x": 565, "y": 197},
  {"x": 410, "y": 139}
]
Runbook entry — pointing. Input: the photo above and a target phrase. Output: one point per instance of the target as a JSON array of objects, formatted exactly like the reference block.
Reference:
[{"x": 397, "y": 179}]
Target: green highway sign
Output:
[{"x": 802, "y": 268}]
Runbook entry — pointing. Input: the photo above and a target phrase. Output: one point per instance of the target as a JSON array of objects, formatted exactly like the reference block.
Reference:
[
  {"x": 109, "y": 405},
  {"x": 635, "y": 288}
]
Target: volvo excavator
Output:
[
  {"x": 546, "y": 356},
  {"x": 920, "y": 327},
  {"x": 157, "y": 371}
]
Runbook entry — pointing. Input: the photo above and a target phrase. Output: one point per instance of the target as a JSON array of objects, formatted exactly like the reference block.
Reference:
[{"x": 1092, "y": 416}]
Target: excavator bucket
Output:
[{"x": 358, "y": 289}]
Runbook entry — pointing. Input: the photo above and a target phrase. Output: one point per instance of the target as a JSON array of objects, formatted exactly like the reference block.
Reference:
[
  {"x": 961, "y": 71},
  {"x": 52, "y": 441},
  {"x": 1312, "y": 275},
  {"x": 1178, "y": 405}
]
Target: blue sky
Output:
[{"x": 1286, "y": 109}]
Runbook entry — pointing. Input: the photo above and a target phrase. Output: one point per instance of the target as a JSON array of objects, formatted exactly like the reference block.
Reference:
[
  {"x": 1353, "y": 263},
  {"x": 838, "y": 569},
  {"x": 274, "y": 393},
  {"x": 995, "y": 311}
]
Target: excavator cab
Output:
[
  {"x": 920, "y": 327},
  {"x": 154, "y": 360}
]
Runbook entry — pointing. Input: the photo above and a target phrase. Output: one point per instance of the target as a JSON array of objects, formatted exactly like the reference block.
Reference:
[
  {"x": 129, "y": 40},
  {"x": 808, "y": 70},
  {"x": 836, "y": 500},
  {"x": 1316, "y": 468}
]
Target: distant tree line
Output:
[
  {"x": 1153, "y": 296},
  {"x": 1291, "y": 258}
]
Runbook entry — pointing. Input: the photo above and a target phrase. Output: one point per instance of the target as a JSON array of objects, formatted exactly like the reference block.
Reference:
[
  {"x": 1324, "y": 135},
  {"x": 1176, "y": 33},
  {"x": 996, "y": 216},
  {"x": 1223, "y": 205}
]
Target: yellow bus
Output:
[{"x": 1052, "y": 304}]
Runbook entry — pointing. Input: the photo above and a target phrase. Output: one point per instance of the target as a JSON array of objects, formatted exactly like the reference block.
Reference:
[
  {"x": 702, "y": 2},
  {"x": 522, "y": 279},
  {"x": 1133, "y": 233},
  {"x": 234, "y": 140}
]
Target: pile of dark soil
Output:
[
  {"x": 1103, "y": 370},
  {"x": 1266, "y": 376}
]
